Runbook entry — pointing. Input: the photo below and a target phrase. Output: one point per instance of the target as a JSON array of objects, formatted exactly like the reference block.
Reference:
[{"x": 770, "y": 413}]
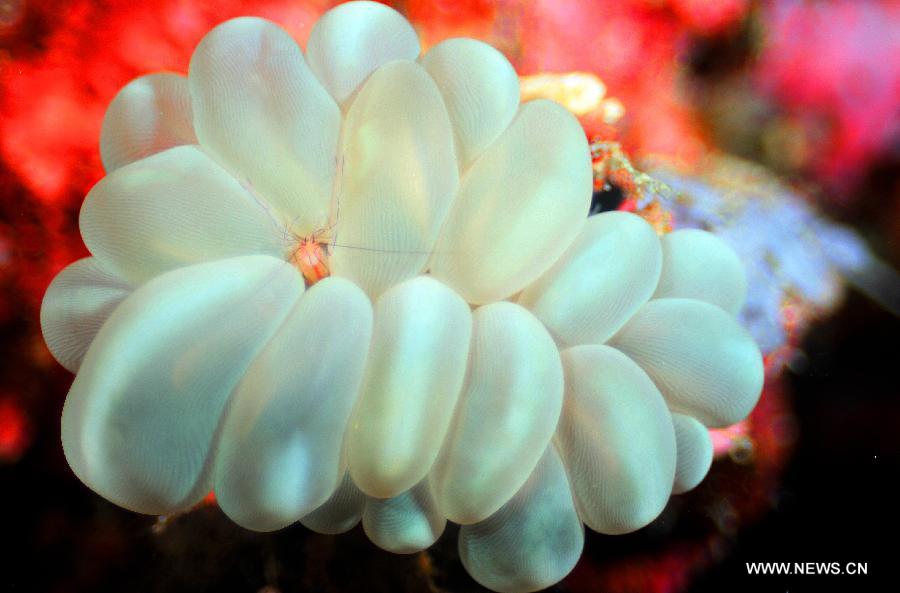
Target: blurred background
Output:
[{"x": 775, "y": 124}]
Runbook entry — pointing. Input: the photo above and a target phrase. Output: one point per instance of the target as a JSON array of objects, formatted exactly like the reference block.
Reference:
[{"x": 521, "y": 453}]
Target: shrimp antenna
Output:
[
  {"x": 339, "y": 186},
  {"x": 400, "y": 251},
  {"x": 286, "y": 233}
]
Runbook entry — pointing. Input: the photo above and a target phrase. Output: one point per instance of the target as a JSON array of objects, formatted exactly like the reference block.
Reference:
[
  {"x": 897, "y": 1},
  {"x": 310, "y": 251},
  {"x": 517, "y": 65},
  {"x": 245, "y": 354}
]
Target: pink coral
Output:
[{"x": 835, "y": 70}]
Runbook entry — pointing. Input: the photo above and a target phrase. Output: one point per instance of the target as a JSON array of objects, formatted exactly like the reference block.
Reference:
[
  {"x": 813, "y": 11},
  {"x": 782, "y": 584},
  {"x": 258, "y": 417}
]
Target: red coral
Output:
[
  {"x": 633, "y": 46},
  {"x": 14, "y": 432},
  {"x": 710, "y": 18},
  {"x": 440, "y": 19},
  {"x": 53, "y": 100}
]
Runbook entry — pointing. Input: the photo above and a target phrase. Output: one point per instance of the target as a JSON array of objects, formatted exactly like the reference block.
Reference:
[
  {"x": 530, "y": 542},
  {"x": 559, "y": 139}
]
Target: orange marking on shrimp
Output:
[{"x": 311, "y": 257}]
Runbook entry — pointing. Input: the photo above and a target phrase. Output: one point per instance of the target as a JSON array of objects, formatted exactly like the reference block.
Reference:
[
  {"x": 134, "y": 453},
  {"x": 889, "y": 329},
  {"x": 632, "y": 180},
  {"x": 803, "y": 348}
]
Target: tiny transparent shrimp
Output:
[
  {"x": 310, "y": 253},
  {"x": 311, "y": 257}
]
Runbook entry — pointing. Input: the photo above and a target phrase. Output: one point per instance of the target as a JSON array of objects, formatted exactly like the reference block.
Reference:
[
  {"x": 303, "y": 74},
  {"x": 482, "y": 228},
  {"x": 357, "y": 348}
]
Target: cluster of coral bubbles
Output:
[{"x": 357, "y": 283}]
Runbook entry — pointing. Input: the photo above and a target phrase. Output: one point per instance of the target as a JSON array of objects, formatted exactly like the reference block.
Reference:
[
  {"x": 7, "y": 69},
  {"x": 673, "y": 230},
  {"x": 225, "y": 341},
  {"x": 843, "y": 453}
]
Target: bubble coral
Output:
[{"x": 477, "y": 351}]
